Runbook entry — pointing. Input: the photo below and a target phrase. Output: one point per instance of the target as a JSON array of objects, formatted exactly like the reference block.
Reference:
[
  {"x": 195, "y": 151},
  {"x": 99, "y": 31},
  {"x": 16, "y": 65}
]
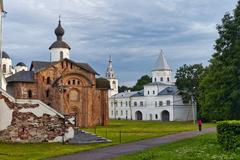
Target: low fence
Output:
[{"x": 124, "y": 136}]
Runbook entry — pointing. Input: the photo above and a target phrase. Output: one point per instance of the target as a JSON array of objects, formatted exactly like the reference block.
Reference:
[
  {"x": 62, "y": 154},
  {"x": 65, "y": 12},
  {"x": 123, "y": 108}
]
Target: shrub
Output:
[{"x": 228, "y": 134}]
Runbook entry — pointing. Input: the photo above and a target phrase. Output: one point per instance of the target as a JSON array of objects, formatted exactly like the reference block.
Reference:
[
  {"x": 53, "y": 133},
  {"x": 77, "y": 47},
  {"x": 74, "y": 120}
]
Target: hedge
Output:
[{"x": 228, "y": 134}]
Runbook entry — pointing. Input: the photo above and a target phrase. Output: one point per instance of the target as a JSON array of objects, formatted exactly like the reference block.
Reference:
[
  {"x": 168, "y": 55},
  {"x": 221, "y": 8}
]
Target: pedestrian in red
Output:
[{"x": 200, "y": 125}]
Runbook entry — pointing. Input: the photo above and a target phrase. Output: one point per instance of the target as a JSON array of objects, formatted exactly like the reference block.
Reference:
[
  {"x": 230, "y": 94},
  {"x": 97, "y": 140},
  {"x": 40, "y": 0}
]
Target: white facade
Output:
[
  {"x": 21, "y": 68},
  {"x": 158, "y": 101},
  {"x": 7, "y": 67},
  {"x": 58, "y": 54}
]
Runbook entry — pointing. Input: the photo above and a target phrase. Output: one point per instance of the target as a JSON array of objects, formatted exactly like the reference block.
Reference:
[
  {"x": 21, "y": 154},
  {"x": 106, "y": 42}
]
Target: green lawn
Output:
[
  {"x": 203, "y": 147},
  {"x": 136, "y": 130}
]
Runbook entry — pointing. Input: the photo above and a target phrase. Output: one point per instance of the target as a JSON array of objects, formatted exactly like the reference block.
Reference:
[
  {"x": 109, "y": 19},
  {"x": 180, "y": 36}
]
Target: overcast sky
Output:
[{"x": 132, "y": 31}]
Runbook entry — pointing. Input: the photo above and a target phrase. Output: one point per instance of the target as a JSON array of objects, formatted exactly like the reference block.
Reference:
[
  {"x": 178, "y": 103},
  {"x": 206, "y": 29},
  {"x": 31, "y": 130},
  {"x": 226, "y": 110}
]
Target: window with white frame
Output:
[
  {"x": 168, "y": 103},
  {"x": 135, "y": 103},
  {"x": 160, "y": 103},
  {"x": 141, "y": 103}
]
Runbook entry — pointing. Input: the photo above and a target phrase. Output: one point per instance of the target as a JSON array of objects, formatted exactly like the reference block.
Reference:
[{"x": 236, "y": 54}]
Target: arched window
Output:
[
  {"x": 168, "y": 103},
  {"x": 74, "y": 95},
  {"x": 4, "y": 68},
  {"x": 29, "y": 93},
  {"x": 161, "y": 78},
  {"x": 61, "y": 55},
  {"x": 168, "y": 79},
  {"x": 48, "y": 80},
  {"x": 156, "y": 116},
  {"x": 114, "y": 84},
  {"x": 155, "y": 79},
  {"x": 69, "y": 82},
  {"x": 135, "y": 103}
]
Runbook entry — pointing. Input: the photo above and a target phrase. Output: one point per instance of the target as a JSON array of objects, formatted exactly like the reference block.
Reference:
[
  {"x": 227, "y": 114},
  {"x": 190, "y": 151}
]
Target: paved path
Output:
[{"x": 121, "y": 149}]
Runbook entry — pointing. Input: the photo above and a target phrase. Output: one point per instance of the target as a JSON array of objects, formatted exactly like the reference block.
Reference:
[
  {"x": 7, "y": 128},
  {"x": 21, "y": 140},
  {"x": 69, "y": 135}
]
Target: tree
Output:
[
  {"x": 123, "y": 88},
  {"x": 141, "y": 82},
  {"x": 220, "y": 85},
  {"x": 187, "y": 81}
]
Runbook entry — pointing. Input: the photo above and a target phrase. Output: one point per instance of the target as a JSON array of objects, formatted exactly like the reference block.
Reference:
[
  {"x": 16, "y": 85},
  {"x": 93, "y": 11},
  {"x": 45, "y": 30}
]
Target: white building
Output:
[{"x": 158, "y": 100}]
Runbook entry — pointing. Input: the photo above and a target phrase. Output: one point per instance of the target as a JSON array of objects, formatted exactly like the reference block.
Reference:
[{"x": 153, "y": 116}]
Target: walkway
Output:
[{"x": 121, "y": 149}]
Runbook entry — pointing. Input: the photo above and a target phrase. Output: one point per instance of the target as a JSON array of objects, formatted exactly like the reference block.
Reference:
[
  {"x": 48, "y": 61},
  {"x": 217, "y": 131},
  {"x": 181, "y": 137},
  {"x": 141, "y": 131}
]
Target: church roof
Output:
[
  {"x": 161, "y": 63},
  {"x": 5, "y": 55},
  {"x": 21, "y": 64},
  {"x": 156, "y": 83},
  {"x": 169, "y": 91},
  {"x": 40, "y": 65},
  {"x": 102, "y": 83},
  {"x": 22, "y": 76},
  {"x": 124, "y": 94}
]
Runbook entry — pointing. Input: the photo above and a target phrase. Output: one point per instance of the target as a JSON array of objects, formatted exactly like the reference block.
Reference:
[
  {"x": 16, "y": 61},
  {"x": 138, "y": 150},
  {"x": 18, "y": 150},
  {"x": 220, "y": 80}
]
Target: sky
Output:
[{"x": 132, "y": 31}]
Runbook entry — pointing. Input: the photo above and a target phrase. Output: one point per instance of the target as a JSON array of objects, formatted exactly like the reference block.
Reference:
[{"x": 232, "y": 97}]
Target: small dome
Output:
[
  {"x": 21, "y": 64},
  {"x": 59, "y": 44},
  {"x": 5, "y": 55},
  {"x": 59, "y": 31}
]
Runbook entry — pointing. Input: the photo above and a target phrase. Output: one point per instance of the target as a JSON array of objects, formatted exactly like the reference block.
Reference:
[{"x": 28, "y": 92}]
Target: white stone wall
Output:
[
  {"x": 153, "y": 90},
  {"x": 162, "y": 76},
  {"x": 146, "y": 105},
  {"x": 55, "y": 53},
  {"x": 9, "y": 70},
  {"x": 113, "y": 86},
  {"x": 151, "y": 108},
  {"x": 21, "y": 68},
  {"x": 183, "y": 112},
  {"x": 5, "y": 115}
]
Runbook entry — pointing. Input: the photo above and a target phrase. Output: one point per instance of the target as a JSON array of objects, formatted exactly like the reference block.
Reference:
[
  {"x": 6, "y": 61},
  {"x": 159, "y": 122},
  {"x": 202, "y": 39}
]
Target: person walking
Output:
[{"x": 200, "y": 125}]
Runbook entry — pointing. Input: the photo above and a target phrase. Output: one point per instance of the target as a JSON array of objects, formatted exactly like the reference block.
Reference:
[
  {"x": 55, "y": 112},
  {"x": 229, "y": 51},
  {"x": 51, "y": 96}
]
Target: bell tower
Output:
[{"x": 111, "y": 77}]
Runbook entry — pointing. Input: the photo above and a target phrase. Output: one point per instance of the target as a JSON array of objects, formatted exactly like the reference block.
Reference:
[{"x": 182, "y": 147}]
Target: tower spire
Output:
[
  {"x": 161, "y": 63},
  {"x": 110, "y": 74}
]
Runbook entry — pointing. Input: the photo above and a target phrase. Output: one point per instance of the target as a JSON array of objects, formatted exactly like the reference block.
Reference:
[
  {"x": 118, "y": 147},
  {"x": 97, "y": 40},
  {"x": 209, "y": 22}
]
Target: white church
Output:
[{"x": 158, "y": 101}]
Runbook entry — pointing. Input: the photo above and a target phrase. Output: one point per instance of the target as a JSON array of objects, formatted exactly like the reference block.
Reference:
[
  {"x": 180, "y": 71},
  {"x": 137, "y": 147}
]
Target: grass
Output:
[
  {"x": 204, "y": 147},
  {"x": 131, "y": 131},
  {"x": 138, "y": 130}
]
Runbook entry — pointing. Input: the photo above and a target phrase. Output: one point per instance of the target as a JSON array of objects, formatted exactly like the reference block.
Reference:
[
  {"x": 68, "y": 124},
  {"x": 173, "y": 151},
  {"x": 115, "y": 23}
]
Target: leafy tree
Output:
[
  {"x": 187, "y": 81},
  {"x": 141, "y": 82},
  {"x": 220, "y": 85},
  {"x": 123, "y": 88}
]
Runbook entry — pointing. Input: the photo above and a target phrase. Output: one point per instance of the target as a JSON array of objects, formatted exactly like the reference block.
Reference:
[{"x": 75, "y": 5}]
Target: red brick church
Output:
[{"x": 67, "y": 86}]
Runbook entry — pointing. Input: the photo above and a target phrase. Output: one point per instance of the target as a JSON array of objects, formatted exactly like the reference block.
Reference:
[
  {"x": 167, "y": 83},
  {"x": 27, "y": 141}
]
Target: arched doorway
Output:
[
  {"x": 138, "y": 115},
  {"x": 165, "y": 116}
]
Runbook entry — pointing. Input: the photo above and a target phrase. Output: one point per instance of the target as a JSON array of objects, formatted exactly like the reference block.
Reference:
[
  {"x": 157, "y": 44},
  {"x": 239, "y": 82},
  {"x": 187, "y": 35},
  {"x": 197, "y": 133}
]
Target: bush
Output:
[{"x": 228, "y": 134}]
